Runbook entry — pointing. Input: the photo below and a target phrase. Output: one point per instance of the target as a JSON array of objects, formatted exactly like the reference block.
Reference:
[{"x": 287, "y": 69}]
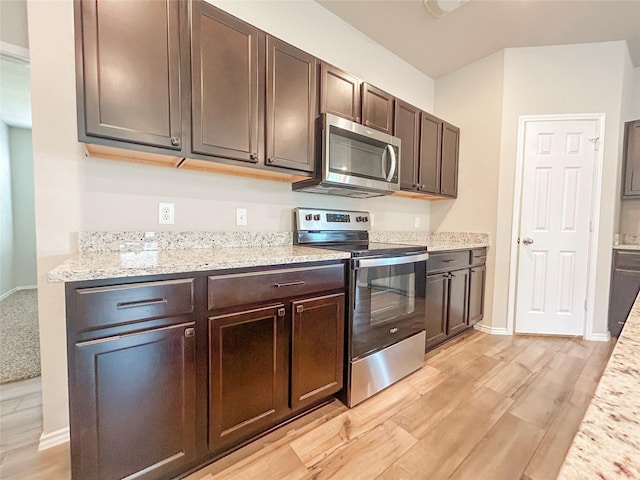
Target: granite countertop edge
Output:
[
  {"x": 607, "y": 444},
  {"x": 627, "y": 247}
]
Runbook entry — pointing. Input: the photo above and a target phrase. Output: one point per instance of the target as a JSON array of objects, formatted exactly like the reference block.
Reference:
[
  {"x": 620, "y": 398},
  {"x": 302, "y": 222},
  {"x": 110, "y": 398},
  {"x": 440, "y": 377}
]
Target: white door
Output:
[{"x": 558, "y": 173}]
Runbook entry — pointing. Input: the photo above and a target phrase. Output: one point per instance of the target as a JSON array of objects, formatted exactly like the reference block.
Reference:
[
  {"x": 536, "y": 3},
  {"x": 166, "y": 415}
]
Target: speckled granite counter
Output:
[
  {"x": 626, "y": 242},
  {"x": 102, "y": 265},
  {"x": 435, "y": 241},
  {"x": 607, "y": 445}
]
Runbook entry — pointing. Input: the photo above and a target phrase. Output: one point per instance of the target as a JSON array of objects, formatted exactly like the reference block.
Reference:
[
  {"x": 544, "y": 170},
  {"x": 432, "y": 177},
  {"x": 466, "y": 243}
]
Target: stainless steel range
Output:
[{"x": 385, "y": 337}]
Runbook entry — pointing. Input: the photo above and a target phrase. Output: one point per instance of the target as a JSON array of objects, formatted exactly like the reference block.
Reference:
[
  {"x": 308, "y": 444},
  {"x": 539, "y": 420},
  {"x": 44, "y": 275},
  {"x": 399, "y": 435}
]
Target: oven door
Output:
[{"x": 388, "y": 301}]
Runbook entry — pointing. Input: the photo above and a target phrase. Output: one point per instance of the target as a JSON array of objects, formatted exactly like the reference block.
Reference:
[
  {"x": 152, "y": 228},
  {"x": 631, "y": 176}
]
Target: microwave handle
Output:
[{"x": 394, "y": 161}]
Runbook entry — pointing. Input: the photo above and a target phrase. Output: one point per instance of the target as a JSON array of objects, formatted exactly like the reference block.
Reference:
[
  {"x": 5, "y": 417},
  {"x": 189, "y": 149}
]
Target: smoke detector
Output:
[{"x": 439, "y": 8}]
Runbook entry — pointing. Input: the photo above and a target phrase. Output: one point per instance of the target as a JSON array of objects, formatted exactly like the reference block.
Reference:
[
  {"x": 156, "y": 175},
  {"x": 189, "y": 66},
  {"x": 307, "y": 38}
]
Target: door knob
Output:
[{"x": 527, "y": 240}]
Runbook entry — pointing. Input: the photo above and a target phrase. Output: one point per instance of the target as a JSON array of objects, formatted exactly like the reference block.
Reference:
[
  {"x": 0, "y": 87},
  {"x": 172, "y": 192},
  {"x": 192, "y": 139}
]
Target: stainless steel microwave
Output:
[{"x": 354, "y": 160}]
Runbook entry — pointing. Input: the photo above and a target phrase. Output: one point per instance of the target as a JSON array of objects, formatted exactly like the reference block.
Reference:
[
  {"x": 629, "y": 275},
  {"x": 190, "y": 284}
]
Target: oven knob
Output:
[
  {"x": 358, "y": 219},
  {"x": 365, "y": 219},
  {"x": 308, "y": 216},
  {"x": 316, "y": 217}
]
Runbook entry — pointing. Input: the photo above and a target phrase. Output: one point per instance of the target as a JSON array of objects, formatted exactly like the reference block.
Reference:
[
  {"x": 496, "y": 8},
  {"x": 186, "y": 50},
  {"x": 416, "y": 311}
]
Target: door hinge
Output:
[
  {"x": 585, "y": 304},
  {"x": 596, "y": 142}
]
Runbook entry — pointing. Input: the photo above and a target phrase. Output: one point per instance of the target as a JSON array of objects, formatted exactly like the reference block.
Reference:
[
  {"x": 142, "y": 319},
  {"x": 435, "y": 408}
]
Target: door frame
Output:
[{"x": 523, "y": 120}]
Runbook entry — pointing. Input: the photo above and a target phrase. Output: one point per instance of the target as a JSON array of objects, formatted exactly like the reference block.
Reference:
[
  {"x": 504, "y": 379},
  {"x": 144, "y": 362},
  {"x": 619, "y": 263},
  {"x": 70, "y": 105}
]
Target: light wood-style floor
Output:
[{"x": 485, "y": 408}]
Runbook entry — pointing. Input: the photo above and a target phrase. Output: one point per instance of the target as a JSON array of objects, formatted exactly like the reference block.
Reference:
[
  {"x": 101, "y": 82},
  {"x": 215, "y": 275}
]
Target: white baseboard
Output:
[
  {"x": 16, "y": 289},
  {"x": 599, "y": 337},
  {"x": 491, "y": 330},
  {"x": 53, "y": 439}
]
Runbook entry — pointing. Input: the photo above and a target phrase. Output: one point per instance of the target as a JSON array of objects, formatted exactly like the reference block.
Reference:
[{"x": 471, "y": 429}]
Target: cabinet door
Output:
[
  {"x": 317, "y": 358},
  {"x": 476, "y": 294},
  {"x": 631, "y": 160},
  {"x": 227, "y": 85},
  {"x": 134, "y": 405},
  {"x": 339, "y": 93},
  {"x": 377, "y": 108},
  {"x": 291, "y": 106},
  {"x": 130, "y": 54},
  {"x": 436, "y": 309},
  {"x": 449, "y": 172},
  {"x": 430, "y": 153},
  {"x": 247, "y": 386},
  {"x": 407, "y": 128},
  {"x": 624, "y": 290},
  {"x": 458, "y": 301}
]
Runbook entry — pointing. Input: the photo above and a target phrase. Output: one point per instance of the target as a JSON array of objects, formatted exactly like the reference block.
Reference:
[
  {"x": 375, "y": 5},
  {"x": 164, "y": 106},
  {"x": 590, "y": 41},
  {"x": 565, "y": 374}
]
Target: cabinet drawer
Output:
[
  {"x": 99, "y": 307},
  {"x": 254, "y": 287},
  {"x": 627, "y": 260},
  {"x": 448, "y": 261},
  {"x": 478, "y": 256}
]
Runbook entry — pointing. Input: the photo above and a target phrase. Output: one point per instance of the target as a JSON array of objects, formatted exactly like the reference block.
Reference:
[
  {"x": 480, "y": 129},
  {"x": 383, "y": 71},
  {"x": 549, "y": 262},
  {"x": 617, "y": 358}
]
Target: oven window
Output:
[{"x": 388, "y": 305}]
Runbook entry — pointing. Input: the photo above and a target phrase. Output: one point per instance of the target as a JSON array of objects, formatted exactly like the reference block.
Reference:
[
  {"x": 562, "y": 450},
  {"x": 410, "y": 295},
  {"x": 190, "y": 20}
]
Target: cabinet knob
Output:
[
  {"x": 281, "y": 312},
  {"x": 299, "y": 309},
  {"x": 254, "y": 156},
  {"x": 175, "y": 141},
  {"x": 189, "y": 332},
  {"x": 358, "y": 119},
  {"x": 270, "y": 160},
  {"x": 415, "y": 185}
]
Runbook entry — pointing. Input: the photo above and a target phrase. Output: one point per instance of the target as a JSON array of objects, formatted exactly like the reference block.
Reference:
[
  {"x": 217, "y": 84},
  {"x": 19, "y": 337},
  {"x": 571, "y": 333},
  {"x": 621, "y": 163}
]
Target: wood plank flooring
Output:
[{"x": 483, "y": 408}]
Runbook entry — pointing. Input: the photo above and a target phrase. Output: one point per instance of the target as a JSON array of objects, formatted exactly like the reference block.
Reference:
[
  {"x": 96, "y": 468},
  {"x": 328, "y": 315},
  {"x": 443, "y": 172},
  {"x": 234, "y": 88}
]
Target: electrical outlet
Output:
[
  {"x": 241, "y": 216},
  {"x": 166, "y": 213},
  {"x": 416, "y": 222}
]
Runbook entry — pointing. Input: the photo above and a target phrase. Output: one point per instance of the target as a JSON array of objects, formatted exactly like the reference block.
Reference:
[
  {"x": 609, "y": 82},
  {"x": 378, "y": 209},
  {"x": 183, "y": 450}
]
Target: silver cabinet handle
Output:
[
  {"x": 141, "y": 303},
  {"x": 289, "y": 284},
  {"x": 527, "y": 241}
]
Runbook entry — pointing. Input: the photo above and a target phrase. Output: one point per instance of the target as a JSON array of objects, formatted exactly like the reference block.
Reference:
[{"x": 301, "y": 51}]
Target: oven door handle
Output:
[{"x": 384, "y": 262}]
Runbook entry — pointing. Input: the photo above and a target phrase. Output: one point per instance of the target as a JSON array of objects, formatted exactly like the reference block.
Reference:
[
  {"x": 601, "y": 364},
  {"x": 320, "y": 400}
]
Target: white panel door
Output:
[{"x": 559, "y": 160}]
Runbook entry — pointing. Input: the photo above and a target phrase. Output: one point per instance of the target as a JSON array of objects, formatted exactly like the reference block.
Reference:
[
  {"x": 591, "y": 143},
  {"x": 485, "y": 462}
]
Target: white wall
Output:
[
  {"x": 630, "y": 209},
  {"x": 7, "y": 282},
  {"x": 24, "y": 223},
  {"x": 73, "y": 193},
  {"x": 471, "y": 98},
  {"x": 585, "y": 78},
  {"x": 13, "y": 22}
]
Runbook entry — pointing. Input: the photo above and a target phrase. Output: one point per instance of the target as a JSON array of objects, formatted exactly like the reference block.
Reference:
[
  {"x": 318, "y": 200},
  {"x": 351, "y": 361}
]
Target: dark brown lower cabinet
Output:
[
  {"x": 458, "y": 318},
  {"x": 317, "y": 346},
  {"x": 625, "y": 285},
  {"x": 436, "y": 308},
  {"x": 133, "y": 410},
  {"x": 476, "y": 294},
  {"x": 247, "y": 374},
  {"x": 455, "y": 293}
]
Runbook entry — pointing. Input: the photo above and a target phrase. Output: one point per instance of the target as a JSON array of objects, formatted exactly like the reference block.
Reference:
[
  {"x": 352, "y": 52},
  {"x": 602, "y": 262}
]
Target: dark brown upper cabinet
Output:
[
  {"x": 292, "y": 106},
  {"x": 377, "y": 108},
  {"x": 339, "y": 93},
  {"x": 449, "y": 170},
  {"x": 227, "y": 84},
  {"x": 407, "y": 128},
  {"x": 129, "y": 72},
  {"x": 631, "y": 169},
  {"x": 430, "y": 154}
]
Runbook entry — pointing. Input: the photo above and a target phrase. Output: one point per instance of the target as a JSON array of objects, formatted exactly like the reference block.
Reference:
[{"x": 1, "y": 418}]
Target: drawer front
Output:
[
  {"x": 253, "y": 287},
  {"x": 627, "y": 260},
  {"x": 448, "y": 261},
  {"x": 478, "y": 256},
  {"x": 100, "y": 307}
]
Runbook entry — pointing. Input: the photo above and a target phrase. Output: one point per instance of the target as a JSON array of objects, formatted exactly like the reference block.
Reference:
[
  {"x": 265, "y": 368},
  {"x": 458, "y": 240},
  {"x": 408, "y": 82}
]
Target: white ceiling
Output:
[
  {"x": 438, "y": 46},
  {"x": 15, "y": 93}
]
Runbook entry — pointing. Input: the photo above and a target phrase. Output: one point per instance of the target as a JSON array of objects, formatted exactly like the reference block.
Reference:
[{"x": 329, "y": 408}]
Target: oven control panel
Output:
[{"x": 320, "y": 219}]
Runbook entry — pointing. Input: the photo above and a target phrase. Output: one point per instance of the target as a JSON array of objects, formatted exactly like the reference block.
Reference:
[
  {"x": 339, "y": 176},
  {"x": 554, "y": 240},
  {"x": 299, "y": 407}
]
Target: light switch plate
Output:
[{"x": 241, "y": 216}]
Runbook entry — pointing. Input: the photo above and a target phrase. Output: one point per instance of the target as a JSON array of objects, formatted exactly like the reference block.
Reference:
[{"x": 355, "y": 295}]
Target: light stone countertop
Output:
[
  {"x": 627, "y": 247},
  {"x": 436, "y": 241},
  {"x": 624, "y": 241},
  {"x": 607, "y": 445},
  {"x": 103, "y": 265}
]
